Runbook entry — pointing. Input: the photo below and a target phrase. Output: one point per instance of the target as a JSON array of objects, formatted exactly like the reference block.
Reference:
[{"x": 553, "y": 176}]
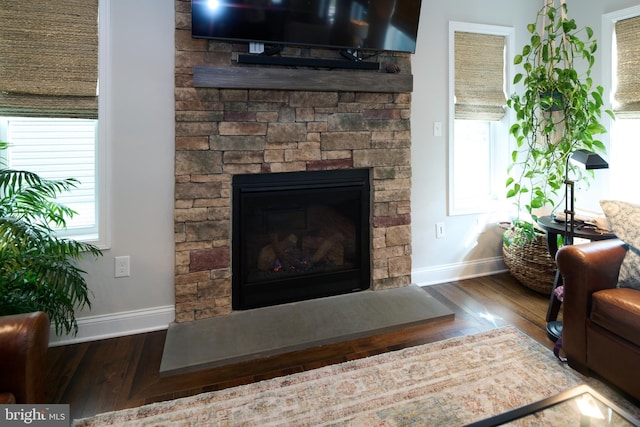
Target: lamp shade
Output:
[{"x": 589, "y": 160}]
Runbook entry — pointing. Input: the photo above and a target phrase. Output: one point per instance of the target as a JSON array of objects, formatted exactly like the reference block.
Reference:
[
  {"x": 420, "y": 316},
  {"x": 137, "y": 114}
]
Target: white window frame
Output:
[
  {"x": 499, "y": 143},
  {"x": 609, "y": 21},
  {"x": 103, "y": 149},
  {"x": 100, "y": 235}
]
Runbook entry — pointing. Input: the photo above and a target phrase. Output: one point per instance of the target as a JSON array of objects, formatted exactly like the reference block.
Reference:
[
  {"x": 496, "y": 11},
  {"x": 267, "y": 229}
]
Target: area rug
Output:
[{"x": 446, "y": 383}]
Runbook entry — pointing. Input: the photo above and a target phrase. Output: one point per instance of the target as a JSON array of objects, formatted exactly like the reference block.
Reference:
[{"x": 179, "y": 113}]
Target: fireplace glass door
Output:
[{"x": 300, "y": 235}]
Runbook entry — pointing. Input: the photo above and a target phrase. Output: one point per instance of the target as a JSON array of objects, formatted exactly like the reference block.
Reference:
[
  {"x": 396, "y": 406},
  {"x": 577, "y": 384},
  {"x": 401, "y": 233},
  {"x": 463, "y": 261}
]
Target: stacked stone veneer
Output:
[{"x": 223, "y": 132}]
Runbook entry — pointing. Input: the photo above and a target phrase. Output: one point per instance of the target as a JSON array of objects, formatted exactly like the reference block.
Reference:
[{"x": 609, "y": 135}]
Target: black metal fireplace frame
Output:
[{"x": 283, "y": 290}]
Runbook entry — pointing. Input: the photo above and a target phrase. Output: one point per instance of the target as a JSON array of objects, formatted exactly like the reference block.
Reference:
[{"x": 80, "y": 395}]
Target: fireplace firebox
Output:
[{"x": 299, "y": 235}]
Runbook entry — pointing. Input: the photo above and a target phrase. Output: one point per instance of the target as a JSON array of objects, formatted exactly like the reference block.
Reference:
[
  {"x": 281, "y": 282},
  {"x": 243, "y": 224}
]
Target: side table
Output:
[{"x": 554, "y": 228}]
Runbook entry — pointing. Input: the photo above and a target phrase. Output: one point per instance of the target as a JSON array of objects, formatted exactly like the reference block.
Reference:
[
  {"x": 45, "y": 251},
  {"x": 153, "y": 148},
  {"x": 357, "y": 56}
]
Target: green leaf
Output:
[
  {"x": 589, "y": 31},
  {"x": 599, "y": 145},
  {"x": 545, "y": 53},
  {"x": 596, "y": 128},
  {"x": 535, "y": 41},
  {"x": 536, "y": 203},
  {"x": 514, "y": 191}
]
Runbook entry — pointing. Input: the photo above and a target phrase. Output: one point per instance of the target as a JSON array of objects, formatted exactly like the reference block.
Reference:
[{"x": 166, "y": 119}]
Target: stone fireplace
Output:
[{"x": 307, "y": 122}]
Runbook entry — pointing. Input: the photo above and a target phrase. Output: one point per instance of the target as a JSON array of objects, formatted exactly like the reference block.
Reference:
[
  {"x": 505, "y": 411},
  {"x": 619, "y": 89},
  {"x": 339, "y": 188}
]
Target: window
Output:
[
  {"x": 49, "y": 109},
  {"x": 473, "y": 157},
  {"x": 623, "y": 160},
  {"x": 58, "y": 149},
  {"x": 621, "y": 31},
  {"x": 479, "y": 125}
]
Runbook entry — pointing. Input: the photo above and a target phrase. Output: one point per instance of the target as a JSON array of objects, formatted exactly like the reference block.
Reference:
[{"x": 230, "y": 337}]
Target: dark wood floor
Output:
[{"x": 122, "y": 372}]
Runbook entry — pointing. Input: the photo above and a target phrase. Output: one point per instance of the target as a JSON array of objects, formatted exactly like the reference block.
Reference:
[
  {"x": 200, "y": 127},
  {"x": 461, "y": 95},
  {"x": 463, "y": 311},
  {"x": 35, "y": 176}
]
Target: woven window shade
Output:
[
  {"x": 479, "y": 76},
  {"x": 627, "y": 96},
  {"x": 49, "y": 58}
]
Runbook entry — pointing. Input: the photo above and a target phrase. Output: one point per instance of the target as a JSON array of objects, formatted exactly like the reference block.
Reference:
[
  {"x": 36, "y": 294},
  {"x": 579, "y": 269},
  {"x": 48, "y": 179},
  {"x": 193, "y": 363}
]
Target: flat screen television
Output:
[{"x": 374, "y": 25}]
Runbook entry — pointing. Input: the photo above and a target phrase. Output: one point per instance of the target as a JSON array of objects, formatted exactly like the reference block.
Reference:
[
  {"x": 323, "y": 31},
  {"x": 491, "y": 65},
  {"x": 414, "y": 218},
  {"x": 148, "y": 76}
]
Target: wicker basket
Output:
[{"x": 530, "y": 263}]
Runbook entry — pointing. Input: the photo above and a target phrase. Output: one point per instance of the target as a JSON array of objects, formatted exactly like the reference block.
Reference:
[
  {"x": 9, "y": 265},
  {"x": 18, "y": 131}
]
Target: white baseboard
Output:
[
  {"x": 458, "y": 271},
  {"x": 93, "y": 328}
]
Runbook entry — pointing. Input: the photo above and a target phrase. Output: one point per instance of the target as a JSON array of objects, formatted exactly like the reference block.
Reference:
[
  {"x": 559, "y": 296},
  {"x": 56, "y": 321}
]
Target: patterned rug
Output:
[{"x": 446, "y": 383}]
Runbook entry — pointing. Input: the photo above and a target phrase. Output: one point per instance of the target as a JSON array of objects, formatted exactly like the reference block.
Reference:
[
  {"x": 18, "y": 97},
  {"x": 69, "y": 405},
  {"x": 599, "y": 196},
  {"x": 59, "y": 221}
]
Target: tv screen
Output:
[{"x": 378, "y": 25}]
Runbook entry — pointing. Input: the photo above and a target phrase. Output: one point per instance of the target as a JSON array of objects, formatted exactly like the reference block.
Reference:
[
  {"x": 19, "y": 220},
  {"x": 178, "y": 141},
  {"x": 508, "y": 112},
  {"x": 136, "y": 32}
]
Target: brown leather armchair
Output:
[
  {"x": 24, "y": 339},
  {"x": 601, "y": 323}
]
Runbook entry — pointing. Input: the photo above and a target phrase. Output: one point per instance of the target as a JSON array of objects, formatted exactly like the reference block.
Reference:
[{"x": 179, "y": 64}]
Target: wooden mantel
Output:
[{"x": 238, "y": 77}]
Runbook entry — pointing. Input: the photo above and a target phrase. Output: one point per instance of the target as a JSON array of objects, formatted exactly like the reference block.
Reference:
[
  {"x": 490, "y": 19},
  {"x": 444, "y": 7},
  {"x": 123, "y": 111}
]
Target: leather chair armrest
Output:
[
  {"x": 585, "y": 268},
  {"x": 7, "y": 398},
  {"x": 24, "y": 340}
]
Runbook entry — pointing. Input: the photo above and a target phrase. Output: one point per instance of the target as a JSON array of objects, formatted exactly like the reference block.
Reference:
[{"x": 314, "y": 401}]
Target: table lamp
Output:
[{"x": 588, "y": 160}]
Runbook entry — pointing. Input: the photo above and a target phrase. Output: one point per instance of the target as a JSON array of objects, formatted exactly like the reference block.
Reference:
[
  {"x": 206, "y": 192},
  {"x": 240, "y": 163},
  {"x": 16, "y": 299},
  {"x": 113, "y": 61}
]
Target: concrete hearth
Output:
[{"x": 262, "y": 332}]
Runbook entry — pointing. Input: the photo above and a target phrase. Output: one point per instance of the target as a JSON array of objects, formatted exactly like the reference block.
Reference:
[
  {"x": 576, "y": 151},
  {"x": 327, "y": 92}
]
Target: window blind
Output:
[
  {"x": 479, "y": 76},
  {"x": 49, "y": 58},
  {"x": 58, "y": 149},
  {"x": 627, "y": 95}
]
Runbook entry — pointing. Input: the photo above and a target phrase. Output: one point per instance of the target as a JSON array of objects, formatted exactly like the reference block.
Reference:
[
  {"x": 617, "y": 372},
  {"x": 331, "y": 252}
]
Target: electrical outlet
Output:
[
  {"x": 256, "y": 47},
  {"x": 439, "y": 230},
  {"x": 122, "y": 266},
  {"x": 437, "y": 128}
]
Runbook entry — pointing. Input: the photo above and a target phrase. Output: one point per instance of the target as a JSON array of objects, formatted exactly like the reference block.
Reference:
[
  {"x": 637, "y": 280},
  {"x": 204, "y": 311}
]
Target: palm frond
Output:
[{"x": 38, "y": 269}]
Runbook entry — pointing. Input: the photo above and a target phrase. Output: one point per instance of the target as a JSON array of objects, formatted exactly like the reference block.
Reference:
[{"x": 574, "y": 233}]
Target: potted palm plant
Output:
[
  {"x": 557, "y": 111},
  {"x": 38, "y": 269}
]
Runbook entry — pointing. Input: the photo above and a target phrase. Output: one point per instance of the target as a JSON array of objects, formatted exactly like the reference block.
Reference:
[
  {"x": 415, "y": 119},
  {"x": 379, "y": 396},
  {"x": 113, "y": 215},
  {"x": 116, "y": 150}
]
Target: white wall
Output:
[
  {"x": 141, "y": 134},
  {"x": 472, "y": 243}
]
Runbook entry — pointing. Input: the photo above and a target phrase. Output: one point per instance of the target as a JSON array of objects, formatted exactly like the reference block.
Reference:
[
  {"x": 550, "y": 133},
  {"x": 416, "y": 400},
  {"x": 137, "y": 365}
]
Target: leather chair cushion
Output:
[{"x": 618, "y": 311}]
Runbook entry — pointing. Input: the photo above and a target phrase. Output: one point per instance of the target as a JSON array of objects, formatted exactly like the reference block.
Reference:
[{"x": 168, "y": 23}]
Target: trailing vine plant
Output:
[{"x": 558, "y": 112}]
